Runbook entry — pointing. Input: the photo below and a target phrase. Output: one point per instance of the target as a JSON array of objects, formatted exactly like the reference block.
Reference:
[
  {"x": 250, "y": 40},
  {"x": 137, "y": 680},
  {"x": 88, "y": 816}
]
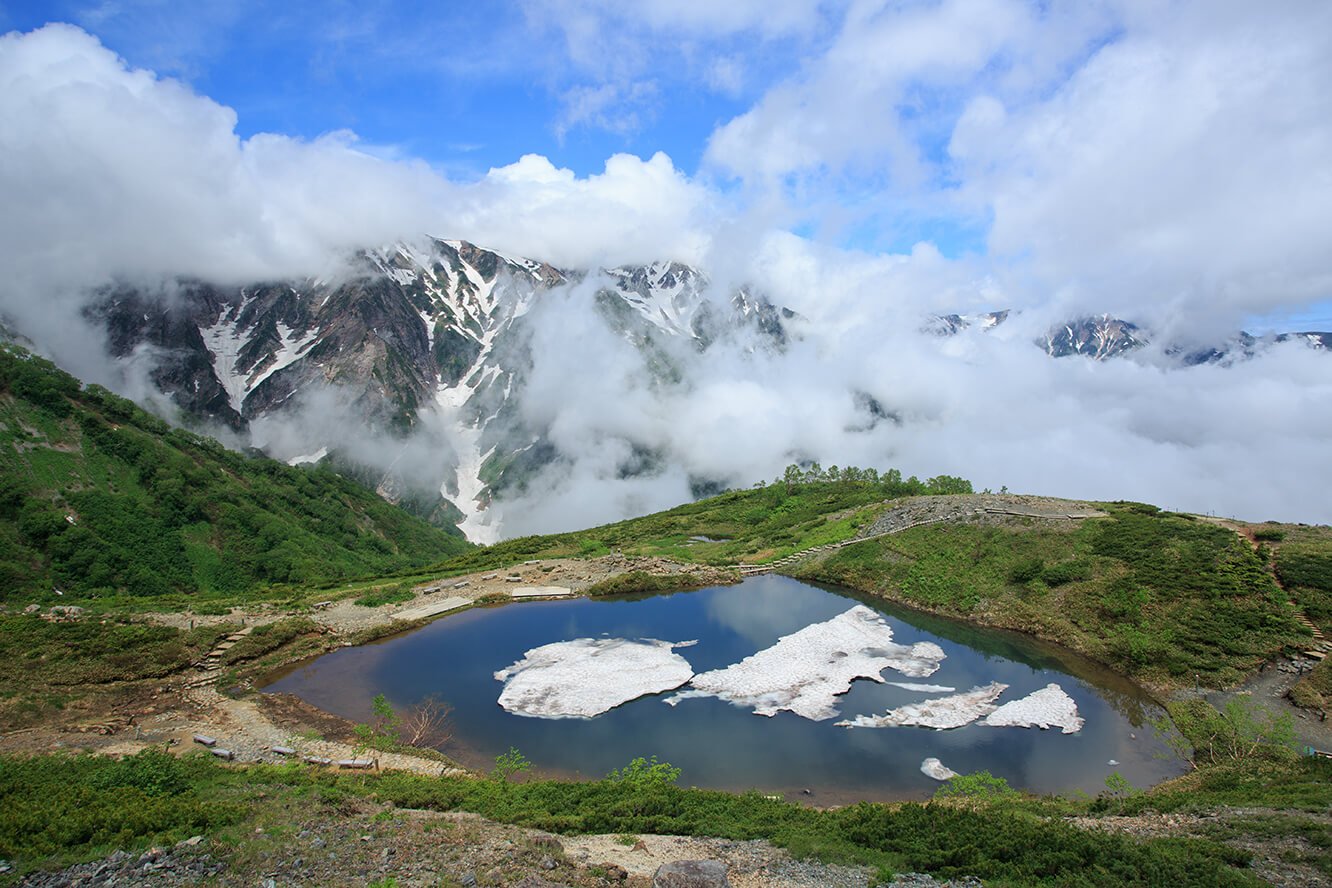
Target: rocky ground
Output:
[{"x": 364, "y": 843}]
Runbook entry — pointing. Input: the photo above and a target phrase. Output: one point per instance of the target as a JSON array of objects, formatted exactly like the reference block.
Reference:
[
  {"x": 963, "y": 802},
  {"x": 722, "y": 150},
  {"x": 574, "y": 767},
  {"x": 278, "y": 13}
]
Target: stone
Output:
[
  {"x": 615, "y": 872},
  {"x": 548, "y": 863},
  {"x": 691, "y": 874},
  {"x": 535, "y": 881}
]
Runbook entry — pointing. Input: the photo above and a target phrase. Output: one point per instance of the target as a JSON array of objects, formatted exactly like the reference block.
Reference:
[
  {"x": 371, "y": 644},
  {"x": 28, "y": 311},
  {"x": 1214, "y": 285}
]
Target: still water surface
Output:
[{"x": 722, "y": 746}]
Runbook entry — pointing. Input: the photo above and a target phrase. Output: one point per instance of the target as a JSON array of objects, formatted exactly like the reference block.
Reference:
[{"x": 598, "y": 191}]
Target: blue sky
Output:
[{"x": 1155, "y": 160}]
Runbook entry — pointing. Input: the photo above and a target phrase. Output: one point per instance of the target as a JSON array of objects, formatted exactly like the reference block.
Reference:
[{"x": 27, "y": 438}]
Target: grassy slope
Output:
[
  {"x": 1303, "y": 561},
  {"x": 737, "y": 527},
  {"x": 1161, "y": 597},
  {"x": 104, "y": 501}
]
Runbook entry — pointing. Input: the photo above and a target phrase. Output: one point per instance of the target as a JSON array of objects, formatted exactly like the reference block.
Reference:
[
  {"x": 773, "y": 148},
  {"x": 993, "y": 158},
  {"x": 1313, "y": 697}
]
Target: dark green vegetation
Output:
[
  {"x": 61, "y": 809},
  {"x": 1304, "y": 565},
  {"x": 638, "y": 582},
  {"x": 100, "y": 499},
  {"x": 1302, "y": 560},
  {"x": 100, "y": 804},
  {"x": 740, "y": 526},
  {"x": 50, "y": 666},
  {"x": 1162, "y": 597}
]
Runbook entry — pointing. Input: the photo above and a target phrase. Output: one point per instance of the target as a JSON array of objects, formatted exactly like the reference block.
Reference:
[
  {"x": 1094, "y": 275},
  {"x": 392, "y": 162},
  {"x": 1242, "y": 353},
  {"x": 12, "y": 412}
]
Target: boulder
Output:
[{"x": 691, "y": 874}]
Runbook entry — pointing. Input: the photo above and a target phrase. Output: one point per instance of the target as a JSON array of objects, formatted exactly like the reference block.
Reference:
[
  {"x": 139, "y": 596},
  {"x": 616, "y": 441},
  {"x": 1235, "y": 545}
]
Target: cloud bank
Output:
[{"x": 1169, "y": 166}]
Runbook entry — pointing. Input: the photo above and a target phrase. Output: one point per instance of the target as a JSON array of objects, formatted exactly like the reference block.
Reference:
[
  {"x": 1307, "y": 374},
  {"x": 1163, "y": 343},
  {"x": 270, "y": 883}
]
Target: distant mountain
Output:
[
  {"x": 1099, "y": 337},
  {"x": 952, "y": 324},
  {"x": 436, "y": 330},
  {"x": 1102, "y": 337}
]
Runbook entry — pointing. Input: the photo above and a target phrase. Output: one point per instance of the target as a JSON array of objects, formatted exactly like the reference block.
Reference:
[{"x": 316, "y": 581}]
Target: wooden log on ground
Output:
[{"x": 204, "y": 740}]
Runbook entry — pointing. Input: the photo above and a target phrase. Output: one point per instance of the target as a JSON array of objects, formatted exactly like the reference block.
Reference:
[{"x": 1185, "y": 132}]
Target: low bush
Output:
[
  {"x": 642, "y": 581},
  {"x": 59, "y": 809}
]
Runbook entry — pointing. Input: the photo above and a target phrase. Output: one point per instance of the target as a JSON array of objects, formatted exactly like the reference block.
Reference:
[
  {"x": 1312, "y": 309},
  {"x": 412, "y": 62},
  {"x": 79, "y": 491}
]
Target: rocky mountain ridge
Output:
[
  {"x": 408, "y": 368},
  {"x": 410, "y": 334}
]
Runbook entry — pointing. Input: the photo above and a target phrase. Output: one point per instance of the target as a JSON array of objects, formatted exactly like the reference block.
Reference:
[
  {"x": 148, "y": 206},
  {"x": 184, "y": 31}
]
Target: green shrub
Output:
[
  {"x": 1313, "y": 571},
  {"x": 1067, "y": 572},
  {"x": 979, "y": 786},
  {"x": 1026, "y": 570},
  {"x": 644, "y": 772}
]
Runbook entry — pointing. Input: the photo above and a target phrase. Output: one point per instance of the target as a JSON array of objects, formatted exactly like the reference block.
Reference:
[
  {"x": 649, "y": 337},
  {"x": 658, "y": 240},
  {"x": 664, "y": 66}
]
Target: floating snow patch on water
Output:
[
  {"x": 1043, "y": 708},
  {"x": 588, "y": 676},
  {"x": 923, "y": 688},
  {"x": 940, "y": 713},
  {"x": 932, "y": 767},
  {"x": 806, "y": 670}
]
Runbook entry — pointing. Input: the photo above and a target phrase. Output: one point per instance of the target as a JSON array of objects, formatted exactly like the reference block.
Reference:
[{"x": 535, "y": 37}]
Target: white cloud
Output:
[
  {"x": 114, "y": 172},
  {"x": 635, "y": 211},
  {"x": 1185, "y": 174},
  {"x": 1182, "y": 169},
  {"x": 852, "y": 106}
]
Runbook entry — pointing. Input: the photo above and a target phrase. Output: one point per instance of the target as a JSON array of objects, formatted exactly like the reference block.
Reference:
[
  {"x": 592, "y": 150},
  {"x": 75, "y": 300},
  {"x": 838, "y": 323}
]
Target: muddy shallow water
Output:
[{"x": 721, "y": 746}]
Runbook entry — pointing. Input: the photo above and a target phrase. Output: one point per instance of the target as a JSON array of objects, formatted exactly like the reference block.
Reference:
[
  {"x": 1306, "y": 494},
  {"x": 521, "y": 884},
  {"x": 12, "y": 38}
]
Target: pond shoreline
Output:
[{"x": 189, "y": 703}]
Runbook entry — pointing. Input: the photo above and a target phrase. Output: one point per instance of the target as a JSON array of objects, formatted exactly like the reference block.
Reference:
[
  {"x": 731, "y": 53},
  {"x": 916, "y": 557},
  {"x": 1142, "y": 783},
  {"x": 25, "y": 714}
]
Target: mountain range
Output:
[{"x": 407, "y": 368}]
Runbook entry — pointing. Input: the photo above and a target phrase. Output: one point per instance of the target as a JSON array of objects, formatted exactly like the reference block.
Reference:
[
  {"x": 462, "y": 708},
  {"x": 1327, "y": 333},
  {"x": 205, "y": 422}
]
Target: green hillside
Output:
[
  {"x": 1162, "y": 597},
  {"x": 805, "y": 508},
  {"x": 100, "y": 499}
]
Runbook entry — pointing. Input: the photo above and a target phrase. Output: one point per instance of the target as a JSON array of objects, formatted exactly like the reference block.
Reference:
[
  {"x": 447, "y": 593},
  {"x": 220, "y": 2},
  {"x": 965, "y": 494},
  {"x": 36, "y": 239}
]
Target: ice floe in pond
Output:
[
  {"x": 1043, "y": 708},
  {"x": 923, "y": 688},
  {"x": 932, "y": 767},
  {"x": 588, "y": 676},
  {"x": 806, "y": 670},
  {"x": 939, "y": 713}
]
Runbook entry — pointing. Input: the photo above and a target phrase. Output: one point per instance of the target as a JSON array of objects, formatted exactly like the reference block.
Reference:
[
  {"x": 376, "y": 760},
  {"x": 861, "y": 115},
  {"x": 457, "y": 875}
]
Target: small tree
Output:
[
  {"x": 426, "y": 723},
  {"x": 1240, "y": 731},
  {"x": 382, "y": 732},
  {"x": 507, "y": 764}
]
